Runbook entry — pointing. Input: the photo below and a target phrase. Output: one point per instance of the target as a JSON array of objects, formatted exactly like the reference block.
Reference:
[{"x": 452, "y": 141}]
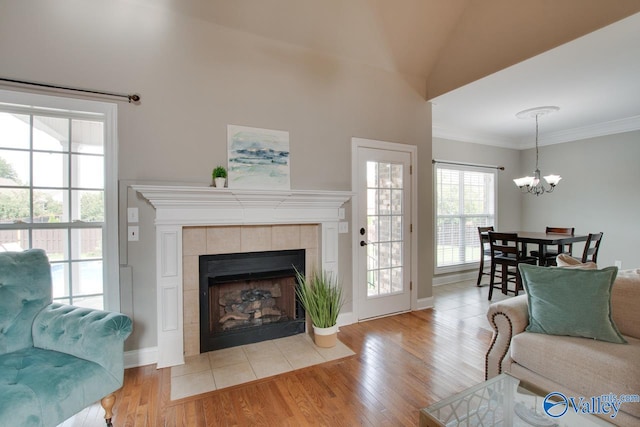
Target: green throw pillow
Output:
[{"x": 571, "y": 302}]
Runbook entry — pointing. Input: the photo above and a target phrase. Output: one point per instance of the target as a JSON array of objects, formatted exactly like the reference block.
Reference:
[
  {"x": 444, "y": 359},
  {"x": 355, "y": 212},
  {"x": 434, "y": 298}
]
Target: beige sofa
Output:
[{"x": 570, "y": 365}]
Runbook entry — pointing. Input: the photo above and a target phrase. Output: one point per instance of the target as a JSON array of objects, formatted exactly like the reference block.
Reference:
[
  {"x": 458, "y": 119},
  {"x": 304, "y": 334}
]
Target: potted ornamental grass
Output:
[
  {"x": 219, "y": 176},
  {"x": 321, "y": 296}
]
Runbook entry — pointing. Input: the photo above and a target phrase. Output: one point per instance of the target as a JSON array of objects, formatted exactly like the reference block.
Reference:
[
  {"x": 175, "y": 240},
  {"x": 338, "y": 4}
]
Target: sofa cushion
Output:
[
  {"x": 567, "y": 261},
  {"x": 625, "y": 297},
  {"x": 38, "y": 386},
  {"x": 25, "y": 289},
  {"x": 570, "y": 302},
  {"x": 589, "y": 367}
]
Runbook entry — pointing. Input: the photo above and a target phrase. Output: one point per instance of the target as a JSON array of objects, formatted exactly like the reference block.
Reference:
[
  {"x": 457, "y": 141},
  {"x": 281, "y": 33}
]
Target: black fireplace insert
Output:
[{"x": 249, "y": 297}]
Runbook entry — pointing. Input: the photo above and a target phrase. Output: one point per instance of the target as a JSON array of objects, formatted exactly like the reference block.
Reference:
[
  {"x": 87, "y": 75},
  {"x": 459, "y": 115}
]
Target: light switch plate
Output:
[
  {"x": 343, "y": 227},
  {"x": 132, "y": 215}
]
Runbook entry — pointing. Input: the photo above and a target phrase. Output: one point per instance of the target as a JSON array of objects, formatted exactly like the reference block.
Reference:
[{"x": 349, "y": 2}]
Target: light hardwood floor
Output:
[{"x": 402, "y": 363}]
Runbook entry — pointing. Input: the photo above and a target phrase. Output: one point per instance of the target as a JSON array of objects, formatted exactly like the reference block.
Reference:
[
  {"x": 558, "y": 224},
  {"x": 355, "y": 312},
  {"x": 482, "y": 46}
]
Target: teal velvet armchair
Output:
[{"x": 55, "y": 359}]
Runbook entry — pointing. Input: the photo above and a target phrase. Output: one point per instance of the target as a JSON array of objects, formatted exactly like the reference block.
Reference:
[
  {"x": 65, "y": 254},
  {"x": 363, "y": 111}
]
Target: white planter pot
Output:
[
  {"x": 325, "y": 337},
  {"x": 220, "y": 182}
]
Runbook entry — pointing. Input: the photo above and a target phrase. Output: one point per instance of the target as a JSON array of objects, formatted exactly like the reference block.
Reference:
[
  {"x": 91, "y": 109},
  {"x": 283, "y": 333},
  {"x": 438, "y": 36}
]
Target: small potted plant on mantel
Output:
[
  {"x": 321, "y": 297},
  {"x": 219, "y": 176}
]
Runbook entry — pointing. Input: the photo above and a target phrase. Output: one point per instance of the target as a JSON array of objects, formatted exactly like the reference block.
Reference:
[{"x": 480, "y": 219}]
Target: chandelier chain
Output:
[
  {"x": 537, "y": 140},
  {"x": 536, "y": 184}
]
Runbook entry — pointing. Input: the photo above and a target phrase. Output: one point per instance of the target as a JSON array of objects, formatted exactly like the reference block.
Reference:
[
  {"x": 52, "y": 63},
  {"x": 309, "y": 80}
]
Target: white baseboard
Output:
[
  {"x": 345, "y": 319},
  {"x": 454, "y": 278},
  {"x": 424, "y": 303},
  {"x": 142, "y": 357}
]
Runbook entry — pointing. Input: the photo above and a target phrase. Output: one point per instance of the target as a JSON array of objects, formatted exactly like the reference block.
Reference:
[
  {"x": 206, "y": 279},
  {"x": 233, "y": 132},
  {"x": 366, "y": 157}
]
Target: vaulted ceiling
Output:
[
  {"x": 448, "y": 43},
  {"x": 439, "y": 45}
]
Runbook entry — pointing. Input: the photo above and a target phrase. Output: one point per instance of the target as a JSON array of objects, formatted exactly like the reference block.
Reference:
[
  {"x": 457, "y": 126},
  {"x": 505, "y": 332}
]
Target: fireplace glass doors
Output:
[{"x": 249, "y": 297}]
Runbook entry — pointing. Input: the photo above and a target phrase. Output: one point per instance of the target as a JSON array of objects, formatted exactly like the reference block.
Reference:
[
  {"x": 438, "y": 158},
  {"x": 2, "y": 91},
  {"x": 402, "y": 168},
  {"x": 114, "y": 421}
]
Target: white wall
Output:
[
  {"x": 195, "y": 78},
  {"x": 598, "y": 192}
]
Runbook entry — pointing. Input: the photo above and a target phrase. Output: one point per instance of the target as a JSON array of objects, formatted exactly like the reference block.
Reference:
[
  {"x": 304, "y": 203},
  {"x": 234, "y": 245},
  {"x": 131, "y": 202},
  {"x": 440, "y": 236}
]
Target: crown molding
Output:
[
  {"x": 472, "y": 137},
  {"x": 612, "y": 127}
]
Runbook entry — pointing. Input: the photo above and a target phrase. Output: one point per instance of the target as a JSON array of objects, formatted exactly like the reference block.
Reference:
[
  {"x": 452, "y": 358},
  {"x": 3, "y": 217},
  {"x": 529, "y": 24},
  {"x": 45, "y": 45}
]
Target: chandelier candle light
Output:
[{"x": 533, "y": 184}]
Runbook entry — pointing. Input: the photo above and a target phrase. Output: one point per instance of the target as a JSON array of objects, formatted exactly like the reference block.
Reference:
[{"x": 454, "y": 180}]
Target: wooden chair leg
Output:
[
  {"x": 491, "y": 280},
  {"x": 481, "y": 270},
  {"x": 107, "y": 403},
  {"x": 505, "y": 278}
]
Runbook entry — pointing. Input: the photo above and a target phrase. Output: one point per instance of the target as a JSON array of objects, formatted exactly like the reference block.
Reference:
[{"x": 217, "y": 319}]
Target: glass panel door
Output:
[{"x": 384, "y": 186}]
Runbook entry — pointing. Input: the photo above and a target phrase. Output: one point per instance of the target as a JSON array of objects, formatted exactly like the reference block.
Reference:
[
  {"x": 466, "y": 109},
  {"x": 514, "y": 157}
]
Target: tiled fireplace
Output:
[
  {"x": 203, "y": 242},
  {"x": 193, "y": 221}
]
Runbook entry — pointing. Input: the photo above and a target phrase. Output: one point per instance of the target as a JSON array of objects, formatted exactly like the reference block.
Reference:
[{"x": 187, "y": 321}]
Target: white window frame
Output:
[
  {"x": 463, "y": 168},
  {"x": 111, "y": 267}
]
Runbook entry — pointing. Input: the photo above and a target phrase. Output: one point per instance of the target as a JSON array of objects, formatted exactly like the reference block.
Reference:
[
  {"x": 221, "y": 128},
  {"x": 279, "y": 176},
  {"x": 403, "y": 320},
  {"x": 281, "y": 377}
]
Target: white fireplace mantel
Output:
[{"x": 180, "y": 206}]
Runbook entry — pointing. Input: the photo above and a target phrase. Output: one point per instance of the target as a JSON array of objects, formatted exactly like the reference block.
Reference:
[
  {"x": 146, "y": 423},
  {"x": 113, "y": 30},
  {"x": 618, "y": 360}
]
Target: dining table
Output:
[{"x": 543, "y": 240}]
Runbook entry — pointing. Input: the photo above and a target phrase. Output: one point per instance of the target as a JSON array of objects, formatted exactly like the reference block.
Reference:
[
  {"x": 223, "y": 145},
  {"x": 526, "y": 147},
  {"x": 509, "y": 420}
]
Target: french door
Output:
[{"x": 383, "y": 230}]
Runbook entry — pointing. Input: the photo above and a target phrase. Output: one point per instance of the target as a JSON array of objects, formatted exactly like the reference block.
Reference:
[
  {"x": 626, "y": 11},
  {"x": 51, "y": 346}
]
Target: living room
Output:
[{"x": 200, "y": 67}]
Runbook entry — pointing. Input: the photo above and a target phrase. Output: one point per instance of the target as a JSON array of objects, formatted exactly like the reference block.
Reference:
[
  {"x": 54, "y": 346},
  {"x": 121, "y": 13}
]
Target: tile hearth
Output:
[{"x": 237, "y": 365}]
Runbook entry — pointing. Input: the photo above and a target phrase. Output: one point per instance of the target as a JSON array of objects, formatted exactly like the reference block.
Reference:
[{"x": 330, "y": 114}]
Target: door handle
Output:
[{"x": 363, "y": 243}]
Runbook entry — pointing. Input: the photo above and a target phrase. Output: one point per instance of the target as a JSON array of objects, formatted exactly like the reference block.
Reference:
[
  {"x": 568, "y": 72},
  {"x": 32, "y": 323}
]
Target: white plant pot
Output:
[
  {"x": 220, "y": 182},
  {"x": 325, "y": 337}
]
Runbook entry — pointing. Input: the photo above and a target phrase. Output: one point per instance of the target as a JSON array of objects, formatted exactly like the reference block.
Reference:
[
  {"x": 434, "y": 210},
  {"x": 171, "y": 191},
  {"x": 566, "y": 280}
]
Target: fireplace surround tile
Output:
[
  {"x": 308, "y": 236},
  {"x": 194, "y": 240},
  {"x": 255, "y": 238},
  {"x": 192, "y": 338},
  {"x": 190, "y": 278},
  {"x": 234, "y": 239},
  {"x": 223, "y": 240},
  {"x": 285, "y": 237},
  {"x": 191, "y": 299}
]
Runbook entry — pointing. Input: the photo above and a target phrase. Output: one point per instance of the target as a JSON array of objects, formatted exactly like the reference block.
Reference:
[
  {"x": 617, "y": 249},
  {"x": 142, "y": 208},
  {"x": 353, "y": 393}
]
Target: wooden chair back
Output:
[
  {"x": 504, "y": 244},
  {"x": 483, "y": 235},
  {"x": 561, "y": 230},
  {"x": 591, "y": 247},
  {"x": 568, "y": 248}
]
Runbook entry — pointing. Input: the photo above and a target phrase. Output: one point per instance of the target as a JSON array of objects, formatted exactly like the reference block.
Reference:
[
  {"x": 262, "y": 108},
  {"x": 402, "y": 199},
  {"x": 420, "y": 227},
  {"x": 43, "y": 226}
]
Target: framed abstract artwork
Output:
[{"x": 258, "y": 158}]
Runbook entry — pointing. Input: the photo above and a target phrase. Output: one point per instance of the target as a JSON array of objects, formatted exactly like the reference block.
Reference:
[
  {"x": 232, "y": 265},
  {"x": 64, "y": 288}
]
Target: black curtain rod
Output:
[
  {"x": 434, "y": 161},
  {"x": 131, "y": 98}
]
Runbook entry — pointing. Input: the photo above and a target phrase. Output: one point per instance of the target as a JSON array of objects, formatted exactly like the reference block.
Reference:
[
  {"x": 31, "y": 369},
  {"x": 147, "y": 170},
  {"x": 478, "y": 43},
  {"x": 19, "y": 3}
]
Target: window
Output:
[
  {"x": 57, "y": 191},
  {"x": 465, "y": 200}
]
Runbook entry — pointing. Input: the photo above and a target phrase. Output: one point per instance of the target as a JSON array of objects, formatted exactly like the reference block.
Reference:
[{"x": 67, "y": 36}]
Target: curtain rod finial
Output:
[{"x": 134, "y": 98}]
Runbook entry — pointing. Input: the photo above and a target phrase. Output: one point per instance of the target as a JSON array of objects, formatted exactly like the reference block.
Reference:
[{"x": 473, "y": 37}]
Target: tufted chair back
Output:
[{"x": 25, "y": 289}]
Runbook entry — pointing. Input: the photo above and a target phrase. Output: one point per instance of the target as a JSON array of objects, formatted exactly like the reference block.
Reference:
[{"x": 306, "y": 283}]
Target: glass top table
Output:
[{"x": 500, "y": 401}]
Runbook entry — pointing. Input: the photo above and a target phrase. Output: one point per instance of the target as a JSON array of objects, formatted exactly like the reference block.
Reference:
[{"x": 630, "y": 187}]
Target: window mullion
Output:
[
  {"x": 474, "y": 206},
  {"x": 76, "y": 249},
  {"x": 461, "y": 212}
]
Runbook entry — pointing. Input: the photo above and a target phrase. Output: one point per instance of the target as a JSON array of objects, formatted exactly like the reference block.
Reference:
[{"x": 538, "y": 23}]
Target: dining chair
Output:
[
  {"x": 507, "y": 253},
  {"x": 591, "y": 247},
  {"x": 551, "y": 254},
  {"x": 485, "y": 250}
]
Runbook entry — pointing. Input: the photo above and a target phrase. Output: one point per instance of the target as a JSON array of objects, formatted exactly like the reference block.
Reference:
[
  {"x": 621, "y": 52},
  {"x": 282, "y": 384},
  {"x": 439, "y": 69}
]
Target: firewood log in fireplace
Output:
[{"x": 250, "y": 307}]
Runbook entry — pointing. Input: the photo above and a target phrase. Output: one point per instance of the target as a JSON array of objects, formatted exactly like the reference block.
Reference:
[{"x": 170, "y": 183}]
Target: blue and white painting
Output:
[{"x": 258, "y": 158}]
